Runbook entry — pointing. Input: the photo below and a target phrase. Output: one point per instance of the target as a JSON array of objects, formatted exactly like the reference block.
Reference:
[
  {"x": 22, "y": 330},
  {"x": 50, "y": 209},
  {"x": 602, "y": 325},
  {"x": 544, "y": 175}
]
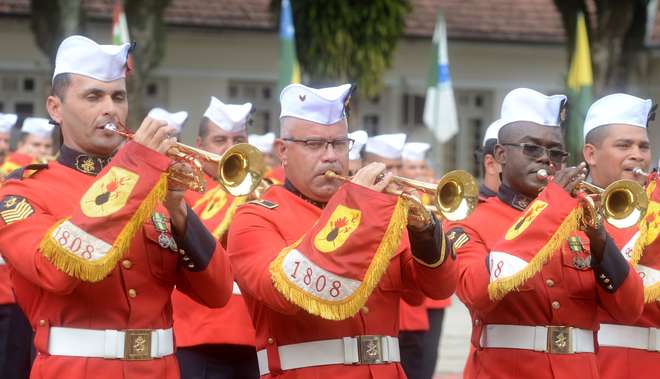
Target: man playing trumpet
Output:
[
  {"x": 617, "y": 144},
  {"x": 322, "y": 264},
  {"x": 532, "y": 282},
  {"x": 90, "y": 266},
  {"x": 225, "y": 348}
]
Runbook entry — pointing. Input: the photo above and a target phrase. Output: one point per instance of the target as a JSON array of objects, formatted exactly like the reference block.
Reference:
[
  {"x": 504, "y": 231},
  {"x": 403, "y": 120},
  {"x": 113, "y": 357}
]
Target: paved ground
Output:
[{"x": 454, "y": 345}]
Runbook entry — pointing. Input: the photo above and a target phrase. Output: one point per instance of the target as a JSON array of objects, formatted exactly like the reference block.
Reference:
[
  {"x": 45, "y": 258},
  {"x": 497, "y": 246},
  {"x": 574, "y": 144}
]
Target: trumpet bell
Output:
[
  {"x": 624, "y": 203},
  {"x": 240, "y": 170},
  {"x": 457, "y": 195}
]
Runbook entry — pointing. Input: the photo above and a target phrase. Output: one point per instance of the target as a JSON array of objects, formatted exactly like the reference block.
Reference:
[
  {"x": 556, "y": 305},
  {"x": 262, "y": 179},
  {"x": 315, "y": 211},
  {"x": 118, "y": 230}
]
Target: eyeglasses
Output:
[
  {"x": 537, "y": 151},
  {"x": 318, "y": 144}
]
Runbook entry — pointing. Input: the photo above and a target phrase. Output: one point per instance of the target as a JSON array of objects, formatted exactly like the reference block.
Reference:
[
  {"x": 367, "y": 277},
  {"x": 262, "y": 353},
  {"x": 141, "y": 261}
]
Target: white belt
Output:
[
  {"x": 130, "y": 344},
  {"x": 549, "y": 339},
  {"x": 634, "y": 337},
  {"x": 341, "y": 351}
]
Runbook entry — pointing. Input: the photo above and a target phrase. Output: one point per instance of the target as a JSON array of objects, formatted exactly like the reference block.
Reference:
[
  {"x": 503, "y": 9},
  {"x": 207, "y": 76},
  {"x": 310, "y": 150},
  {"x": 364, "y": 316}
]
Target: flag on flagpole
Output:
[
  {"x": 119, "y": 25},
  {"x": 289, "y": 68},
  {"x": 579, "y": 83},
  {"x": 120, "y": 30},
  {"x": 440, "y": 107}
]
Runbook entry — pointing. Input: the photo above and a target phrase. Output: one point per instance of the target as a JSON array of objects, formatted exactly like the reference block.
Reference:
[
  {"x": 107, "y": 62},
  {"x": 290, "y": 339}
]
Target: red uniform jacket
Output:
[
  {"x": 147, "y": 271},
  {"x": 259, "y": 233},
  {"x": 195, "y": 324},
  {"x": 15, "y": 161},
  {"x": 620, "y": 362},
  {"x": 560, "y": 294}
]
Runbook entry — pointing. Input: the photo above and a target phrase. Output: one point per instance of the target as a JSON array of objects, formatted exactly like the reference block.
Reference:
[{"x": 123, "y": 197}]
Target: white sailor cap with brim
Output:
[
  {"x": 415, "y": 151},
  {"x": 174, "y": 120},
  {"x": 492, "y": 131},
  {"x": 7, "y": 121},
  {"x": 40, "y": 127},
  {"x": 80, "y": 55},
  {"x": 360, "y": 138},
  {"x": 263, "y": 142},
  {"x": 524, "y": 104},
  {"x": 229, "y": 117},
  {"x": 618, "y": 108},
  {"x": 325, "y": 106},
  {"x": 388, "y": 146}
]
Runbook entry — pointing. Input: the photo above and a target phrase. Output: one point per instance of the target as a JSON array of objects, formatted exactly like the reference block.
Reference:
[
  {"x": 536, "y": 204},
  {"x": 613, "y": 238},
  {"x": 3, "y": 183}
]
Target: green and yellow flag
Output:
[
  {"x": 289, "y": 68},
  {"x": 578, "y": 83}
]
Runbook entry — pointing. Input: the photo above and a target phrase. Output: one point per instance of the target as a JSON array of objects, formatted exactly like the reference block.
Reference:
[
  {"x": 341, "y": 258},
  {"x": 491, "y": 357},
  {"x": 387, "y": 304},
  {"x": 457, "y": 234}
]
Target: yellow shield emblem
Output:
[
  {"x": 526, "y": 219},
  {"x": 215, "y": 200},
  {"x": 340, "y": 226},
  {"x": 109, "y": 193}
]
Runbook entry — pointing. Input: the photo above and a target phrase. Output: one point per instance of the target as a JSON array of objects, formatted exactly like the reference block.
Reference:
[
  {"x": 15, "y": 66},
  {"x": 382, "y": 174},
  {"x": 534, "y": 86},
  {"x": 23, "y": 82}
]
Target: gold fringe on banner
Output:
[
  {"x": 348, "y": 307},
  {"x": 94, "y": 271},
  {"x": 229, "y": 215},
  {"x": 500, "y": 287}
]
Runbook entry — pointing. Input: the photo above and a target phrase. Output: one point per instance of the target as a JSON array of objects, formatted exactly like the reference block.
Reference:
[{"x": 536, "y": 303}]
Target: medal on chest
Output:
[
  {"x": 165, "y": 239},
  {"x": 581, "y": 259}
]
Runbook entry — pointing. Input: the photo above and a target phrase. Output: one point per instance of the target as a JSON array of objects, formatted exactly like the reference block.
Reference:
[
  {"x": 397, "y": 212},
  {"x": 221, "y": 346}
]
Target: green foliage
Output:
[{"x": 347, "y": 40}]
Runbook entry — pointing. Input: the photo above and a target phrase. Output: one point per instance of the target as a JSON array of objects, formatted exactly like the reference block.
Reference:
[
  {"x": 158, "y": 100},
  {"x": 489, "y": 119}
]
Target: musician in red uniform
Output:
[
  {"x": 216, "y": 343},
  {"x": 532, "y": 282},
  {"x": 491, "y": 169},
  {"x": 15, "y": 331},
  {"x": 322, "y": 264},
  {"x": 264, "y": 142},
  {"x": 7, "y": 122},
  {"x": 95, "y": 246},
  {"x": 34, "y": 145},
  {"x": 616, "y": 143},
  {"x": 386, "y": 148}
]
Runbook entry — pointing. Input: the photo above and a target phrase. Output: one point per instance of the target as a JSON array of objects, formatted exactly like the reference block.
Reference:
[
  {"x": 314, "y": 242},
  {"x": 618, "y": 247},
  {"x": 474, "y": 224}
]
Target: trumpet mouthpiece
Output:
[
  {"x": 111, "y": 126},
  {"x": 638, "y": 171},
  {"x": 542, "y": 174}
]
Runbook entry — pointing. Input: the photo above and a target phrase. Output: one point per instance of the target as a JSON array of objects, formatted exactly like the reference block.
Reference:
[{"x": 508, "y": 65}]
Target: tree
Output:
[
  {"x": 54, "y": 20},
  {"x": 617, "y": 31},
  {"x": 347, "y": 41}
]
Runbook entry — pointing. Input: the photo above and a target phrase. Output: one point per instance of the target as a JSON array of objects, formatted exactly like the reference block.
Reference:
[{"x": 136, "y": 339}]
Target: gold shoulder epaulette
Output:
[{"x": 264, "y": 203}]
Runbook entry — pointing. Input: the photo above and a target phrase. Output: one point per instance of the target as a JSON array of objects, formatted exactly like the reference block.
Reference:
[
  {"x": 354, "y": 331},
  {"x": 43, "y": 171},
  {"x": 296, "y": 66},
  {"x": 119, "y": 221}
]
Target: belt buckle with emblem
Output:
[
  {"x": 370, "y": 349},
  {"x": 137, "y": 344},
  {"x": 559, "y": 340}
]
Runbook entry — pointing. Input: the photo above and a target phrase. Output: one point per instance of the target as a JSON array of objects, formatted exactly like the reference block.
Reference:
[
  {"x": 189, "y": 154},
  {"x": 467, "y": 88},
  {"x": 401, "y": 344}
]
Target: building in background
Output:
[{"x": 229, "y": 49}]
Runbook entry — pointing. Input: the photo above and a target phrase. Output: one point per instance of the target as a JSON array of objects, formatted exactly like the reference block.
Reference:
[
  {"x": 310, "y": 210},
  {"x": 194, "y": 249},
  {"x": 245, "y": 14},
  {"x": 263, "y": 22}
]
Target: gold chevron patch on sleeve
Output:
[
  {"x": 15, "y": 208},
  {"x": 457, "y": 237}
]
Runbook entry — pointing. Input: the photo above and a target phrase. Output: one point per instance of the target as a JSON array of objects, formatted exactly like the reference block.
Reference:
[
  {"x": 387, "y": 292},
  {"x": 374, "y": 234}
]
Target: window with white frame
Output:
[{"x": 263, "y": 97}]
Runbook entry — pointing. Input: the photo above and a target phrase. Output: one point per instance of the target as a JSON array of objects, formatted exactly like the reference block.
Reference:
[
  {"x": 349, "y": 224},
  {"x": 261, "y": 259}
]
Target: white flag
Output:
[{"x": 440, "y": 107}]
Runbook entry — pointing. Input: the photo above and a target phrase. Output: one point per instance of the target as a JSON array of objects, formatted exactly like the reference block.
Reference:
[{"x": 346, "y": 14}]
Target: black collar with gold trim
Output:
[
  {"x": 294, "y": 190},
  {"x": 87, "y": 164},
  {"x": 513, "y": 198}
]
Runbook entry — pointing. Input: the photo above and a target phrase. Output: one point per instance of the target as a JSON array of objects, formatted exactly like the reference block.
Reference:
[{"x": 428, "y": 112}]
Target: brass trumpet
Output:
[
  {"x": 623, "y": 203},
  {"x": 239, "y": 170},
  {"x": 455, "y": 196}
]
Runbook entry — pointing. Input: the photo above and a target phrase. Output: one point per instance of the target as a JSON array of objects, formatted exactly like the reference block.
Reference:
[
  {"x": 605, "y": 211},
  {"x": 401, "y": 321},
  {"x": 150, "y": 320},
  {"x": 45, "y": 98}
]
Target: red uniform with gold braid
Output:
[
  {"x": 276, "y": 175},
  {"x": 632, "y": 350},
  {"x": 231, "y": 324},
  {"x": 535, "y": 277},
  {"x": 307, "y": 295},
  {"x": 94, "y": 268},
  {"x": 15, "y": 161}
]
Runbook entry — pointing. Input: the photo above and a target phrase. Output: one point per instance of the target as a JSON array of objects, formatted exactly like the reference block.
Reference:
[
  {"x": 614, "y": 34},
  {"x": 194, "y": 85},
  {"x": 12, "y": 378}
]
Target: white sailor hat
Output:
[
  {"x": 174, "y": 120},
  {"x": 82, "y": 56},
  {"x": 388, "y": 146},
  {"x": 492, "y": 131},
  {"x": 360, "y": 137},
  {"x": 7, "y": 121},
  {"x": 229, "y": 117},
  {"x": 524, "y": 104},
  {"x": 415, "y": 151},
  {"x": 40, "y": 127},
  {"x": 263, "y": 142},
  {"x": 325, "y": 106},
  {"x": 618, "y": 108}
]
